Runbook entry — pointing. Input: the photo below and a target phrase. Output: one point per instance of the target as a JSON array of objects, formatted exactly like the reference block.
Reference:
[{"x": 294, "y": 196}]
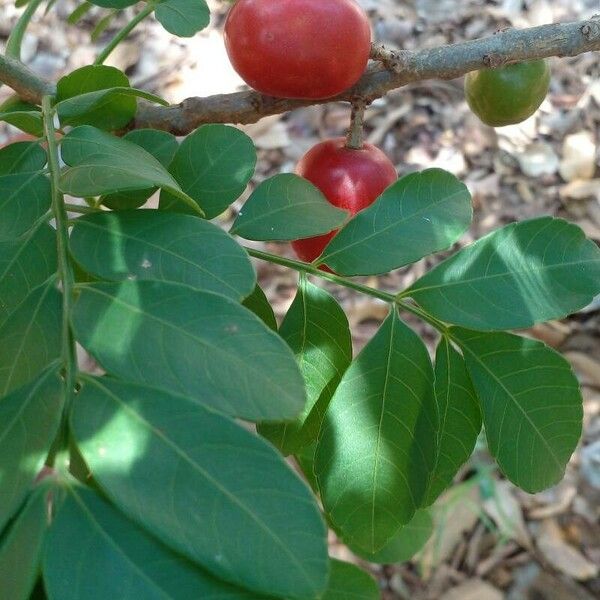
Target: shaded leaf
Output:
[
  {"x": 258, "y": 303},
  {"x": 183, "y": 18},
  {"x": 213, "y": 165},
  {"x": 348, "y": 582},
  {"x": 150, "y": 244},
  {"x": 21, "y": 547},
  {"x": 459, "y": 417},
  {"x": 206, "y": 486},
  {"x": 317, "y": 331},
  {"x": 95, "y": 552},
  {"x": 522, "y": 274},
  {"x": 531, "y": 404},
  {"x": 377, "y": 444},
  {"x": 25, "y": 263},
  {"x": 24, "y": 199},
  {"x": 101, "y": 164},
  {"x": 163, "y": 146},
  {"x": 286, "y": 207},
  {"x": 113, "y": 3},
  {"x": 31, "y": 337},
  {"x": 405, "y": 543},
  {"x": 195, "y": 343},
  {"x": 22, "y": 157},
  {"x": 29, "y": 420},
  {"x": 418, "y": 215}
]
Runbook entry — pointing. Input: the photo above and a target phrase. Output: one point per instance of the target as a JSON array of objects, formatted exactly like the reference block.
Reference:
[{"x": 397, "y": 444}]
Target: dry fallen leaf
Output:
[
  {"x": 561, "y": 555},
  {"x": 579, "y": 156},
  {"x": 474, "y": 589}
]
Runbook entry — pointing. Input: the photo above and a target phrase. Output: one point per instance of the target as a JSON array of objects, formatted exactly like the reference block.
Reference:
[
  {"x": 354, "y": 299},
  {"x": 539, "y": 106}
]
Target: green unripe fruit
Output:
[{"x": 508, "y": 95}]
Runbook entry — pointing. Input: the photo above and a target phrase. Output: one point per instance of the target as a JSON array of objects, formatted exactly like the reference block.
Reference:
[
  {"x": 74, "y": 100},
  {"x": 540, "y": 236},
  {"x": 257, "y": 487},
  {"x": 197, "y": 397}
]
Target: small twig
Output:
[{"x": 356, "y": 133}]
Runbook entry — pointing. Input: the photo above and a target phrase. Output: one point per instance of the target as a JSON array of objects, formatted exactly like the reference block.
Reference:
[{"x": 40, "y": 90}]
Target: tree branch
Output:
[
  {"x": 22, "y": 80},
  {"x": 446, "y": 62}
]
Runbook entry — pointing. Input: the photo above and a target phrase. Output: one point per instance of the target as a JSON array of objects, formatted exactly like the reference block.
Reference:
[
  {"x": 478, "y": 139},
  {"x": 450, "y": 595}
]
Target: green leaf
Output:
[
  {"x": 317, "y": 331},
  {"x": 531, "y": 404},
  {"x": 213, "y": 165},
  {"x": 31, "y": 337},
  {"x": 162, "y": 146},
  {"x": 405, "y": 543},
  {"x": 287, "y": 207},
  {"x": 102, "y": 164},
  {"x": 206, "y": 486},
  {"x": 306, "y": 461},
  {"x": 29, "y": 420},
  {"x": 522, "y": 274},
  {"x": 24, "y": 198},
  {"x": 195, "y": 343},
  {"x": 23, "y": 116},
  {"x": 109, "y": 109},
  {"x": 183, "y": 18},
  {"x": 21, "y": 547},
  {"x": 418, "y": 215},
  {"x": 257, "y": 302},
  {"x": 113, "y": 3},
  {"x": 79, "y": 13},
  {"x": 150, "y": 244},
  {"x": 22, "y": 157},
  {"x": 377, "y": 444},
  {"x": 25, "y": 263},
  {"x": 459, "y": 417},
  {"x": 86, "y": 97},
  {"x": 94, "y": 552},
  {"x": 348, "y": 582}
]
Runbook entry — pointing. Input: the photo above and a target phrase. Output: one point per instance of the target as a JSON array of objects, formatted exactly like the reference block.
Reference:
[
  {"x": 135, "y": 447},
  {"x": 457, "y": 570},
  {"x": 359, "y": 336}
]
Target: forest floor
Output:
[{"x": 490, "y": 540}]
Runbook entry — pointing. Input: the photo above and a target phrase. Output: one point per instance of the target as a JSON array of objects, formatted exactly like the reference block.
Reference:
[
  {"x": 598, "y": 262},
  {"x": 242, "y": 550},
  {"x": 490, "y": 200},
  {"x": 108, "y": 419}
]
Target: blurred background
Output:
[{"x": 488, "y": 541}]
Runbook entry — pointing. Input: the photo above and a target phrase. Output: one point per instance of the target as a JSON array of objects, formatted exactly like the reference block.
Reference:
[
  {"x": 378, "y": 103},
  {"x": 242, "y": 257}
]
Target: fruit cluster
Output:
[{"x": 310, "y": 49}]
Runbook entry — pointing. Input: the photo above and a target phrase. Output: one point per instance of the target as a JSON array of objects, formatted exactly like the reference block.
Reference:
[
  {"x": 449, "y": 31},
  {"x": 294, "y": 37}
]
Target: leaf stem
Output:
[
  {"x": 355, "y": 139},
  {"x": 15, "y": 40},
  {"x": 83, "y": 210},
  {"x": 309, "y": 269},
  {"x": 65, "y": 269},
  {"x": 123, "y": 33}
]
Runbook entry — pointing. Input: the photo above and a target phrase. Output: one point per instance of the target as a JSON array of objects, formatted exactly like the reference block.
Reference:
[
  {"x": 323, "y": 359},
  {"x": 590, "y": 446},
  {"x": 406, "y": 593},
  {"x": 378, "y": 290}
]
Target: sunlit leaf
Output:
[
  {"x": 199, "y": 344},
  {"x": 150, "y": 244},
  {"x": 420, "y": 214},
  {"x": 286, "y": 207},
  {"x": 522, "y": 274},
  {"x": 204, "y": 485},
  {"x": 377, "y": 444},
  {"x": 531, "y": 403}
]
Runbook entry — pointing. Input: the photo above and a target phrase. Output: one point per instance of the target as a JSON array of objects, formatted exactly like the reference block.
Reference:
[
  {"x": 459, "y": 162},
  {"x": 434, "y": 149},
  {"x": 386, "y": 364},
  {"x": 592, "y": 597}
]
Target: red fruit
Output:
[
  {"x": 349, "y": 179},
  {"x": 311, "y": 49}
]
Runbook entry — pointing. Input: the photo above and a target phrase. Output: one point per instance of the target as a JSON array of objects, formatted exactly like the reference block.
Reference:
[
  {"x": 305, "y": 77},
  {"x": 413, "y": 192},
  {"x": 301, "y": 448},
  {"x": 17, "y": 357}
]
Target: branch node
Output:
[
  {"x": 493, "y": 61},
  {"x": 391, "y": 59},
  {"x": 591, "y": 29}
]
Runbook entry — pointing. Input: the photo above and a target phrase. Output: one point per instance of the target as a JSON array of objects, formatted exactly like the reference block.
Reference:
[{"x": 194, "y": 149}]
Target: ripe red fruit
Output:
[
  {"x": 311, "y": 49},
  {"x": 350, "y": 179}
]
